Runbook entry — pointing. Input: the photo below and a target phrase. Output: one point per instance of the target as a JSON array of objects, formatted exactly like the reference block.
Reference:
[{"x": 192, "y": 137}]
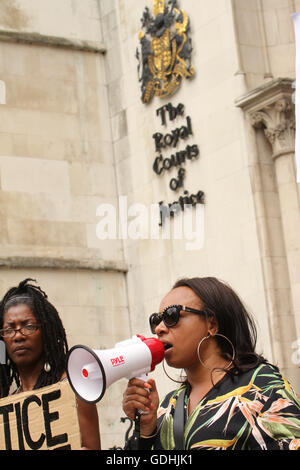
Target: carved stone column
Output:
[
  {"x": 270, "y": 108},
  {"x": 278, "y": 121}
]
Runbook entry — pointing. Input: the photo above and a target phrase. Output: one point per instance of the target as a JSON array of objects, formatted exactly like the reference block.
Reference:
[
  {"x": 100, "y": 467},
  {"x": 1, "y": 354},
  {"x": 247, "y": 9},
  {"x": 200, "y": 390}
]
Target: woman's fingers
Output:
[
  {"x": 133, "y": 402},
  {"x": 143, "y": 396},
  {"x": 137, "y": 396}
]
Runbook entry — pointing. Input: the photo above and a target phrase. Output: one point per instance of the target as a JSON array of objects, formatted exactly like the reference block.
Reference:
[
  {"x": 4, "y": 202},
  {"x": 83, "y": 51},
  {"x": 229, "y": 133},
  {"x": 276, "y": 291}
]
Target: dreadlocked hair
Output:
[{"x": 53, "y": 334}]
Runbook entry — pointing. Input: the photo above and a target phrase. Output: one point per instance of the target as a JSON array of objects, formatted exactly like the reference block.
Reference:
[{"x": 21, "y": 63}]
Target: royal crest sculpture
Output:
[{"x": 165, "y": 50}]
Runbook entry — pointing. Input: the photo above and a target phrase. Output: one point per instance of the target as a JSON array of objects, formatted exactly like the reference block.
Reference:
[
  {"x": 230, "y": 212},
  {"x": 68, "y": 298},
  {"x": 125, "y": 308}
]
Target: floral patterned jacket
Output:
[{"x": 257, "y": 410}]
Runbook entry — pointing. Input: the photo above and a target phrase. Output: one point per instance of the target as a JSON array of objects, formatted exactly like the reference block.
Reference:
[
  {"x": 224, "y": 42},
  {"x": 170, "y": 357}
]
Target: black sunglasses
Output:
[{"x": 170, "y": 316}]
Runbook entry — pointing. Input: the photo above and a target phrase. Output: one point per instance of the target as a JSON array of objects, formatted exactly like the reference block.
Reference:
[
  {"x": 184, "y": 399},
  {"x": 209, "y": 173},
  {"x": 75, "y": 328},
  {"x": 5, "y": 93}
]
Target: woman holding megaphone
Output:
[
  {"x": 231, "y": 398},
  {"x": 36, "y": 347}
]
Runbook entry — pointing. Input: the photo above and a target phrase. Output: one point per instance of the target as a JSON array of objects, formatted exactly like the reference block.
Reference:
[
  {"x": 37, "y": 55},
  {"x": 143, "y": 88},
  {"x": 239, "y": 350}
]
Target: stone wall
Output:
[{"x": 56, "y": 168}]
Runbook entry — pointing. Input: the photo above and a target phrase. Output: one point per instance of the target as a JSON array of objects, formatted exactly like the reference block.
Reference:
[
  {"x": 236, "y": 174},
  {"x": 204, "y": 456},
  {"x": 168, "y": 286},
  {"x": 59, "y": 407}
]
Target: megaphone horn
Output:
[{"x": 90, "y": 372}]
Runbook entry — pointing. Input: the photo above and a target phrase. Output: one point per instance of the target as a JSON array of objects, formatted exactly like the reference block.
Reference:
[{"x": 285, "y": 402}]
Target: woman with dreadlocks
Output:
[{"x": 36, "y": 347}]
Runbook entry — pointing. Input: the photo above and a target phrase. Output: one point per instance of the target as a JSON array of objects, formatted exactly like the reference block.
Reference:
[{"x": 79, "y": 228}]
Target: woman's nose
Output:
[
  {"x": 161, "y": 328},
  {"x": 18, "y": 335}
]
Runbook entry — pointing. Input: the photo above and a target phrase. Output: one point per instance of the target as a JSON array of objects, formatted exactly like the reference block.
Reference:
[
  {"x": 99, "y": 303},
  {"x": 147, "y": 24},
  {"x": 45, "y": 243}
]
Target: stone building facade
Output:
[{"x": 76, "y": 140}]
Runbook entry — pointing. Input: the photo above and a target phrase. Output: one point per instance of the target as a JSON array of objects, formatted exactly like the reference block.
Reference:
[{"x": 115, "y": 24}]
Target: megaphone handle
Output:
[
  {"x": 143, "y": 377},
  {"x": 137, "y": 418},
  {"x": 138, "y": 413},
  {"x": 136, "y": 431}
]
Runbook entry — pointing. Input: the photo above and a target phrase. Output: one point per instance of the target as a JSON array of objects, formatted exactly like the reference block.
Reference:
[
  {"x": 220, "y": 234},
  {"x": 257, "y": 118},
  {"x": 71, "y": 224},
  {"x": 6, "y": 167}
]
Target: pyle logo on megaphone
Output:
[
  {"x": 90, "y": 371},
  {"x": 117, "y": 361}
]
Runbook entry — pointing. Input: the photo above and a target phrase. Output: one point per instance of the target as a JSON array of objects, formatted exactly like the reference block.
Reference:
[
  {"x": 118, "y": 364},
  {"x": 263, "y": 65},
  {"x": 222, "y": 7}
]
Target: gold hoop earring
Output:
[
  {"x": 173, "y": 380},
  {"x": 211, "y": 336}
]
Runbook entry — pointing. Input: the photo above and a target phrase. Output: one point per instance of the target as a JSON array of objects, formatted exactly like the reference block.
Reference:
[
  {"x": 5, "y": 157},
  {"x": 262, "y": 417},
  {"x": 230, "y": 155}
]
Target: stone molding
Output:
[
  {"x": 26, "y": 262},
  {"x": 51, "y": 41}
]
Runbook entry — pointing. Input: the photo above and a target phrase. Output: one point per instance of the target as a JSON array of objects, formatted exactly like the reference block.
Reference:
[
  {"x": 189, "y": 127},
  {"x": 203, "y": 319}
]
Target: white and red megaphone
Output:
[{"x": 90, "y": 372}]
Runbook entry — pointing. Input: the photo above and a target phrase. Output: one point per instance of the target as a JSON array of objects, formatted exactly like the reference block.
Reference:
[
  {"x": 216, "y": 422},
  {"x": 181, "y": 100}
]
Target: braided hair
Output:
[{"x": 53, "y": 335}]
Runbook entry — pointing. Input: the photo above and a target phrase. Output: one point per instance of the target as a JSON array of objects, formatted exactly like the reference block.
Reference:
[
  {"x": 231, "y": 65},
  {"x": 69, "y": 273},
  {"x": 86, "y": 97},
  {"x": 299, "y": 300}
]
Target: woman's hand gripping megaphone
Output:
[{"x": 142, "y": 395}]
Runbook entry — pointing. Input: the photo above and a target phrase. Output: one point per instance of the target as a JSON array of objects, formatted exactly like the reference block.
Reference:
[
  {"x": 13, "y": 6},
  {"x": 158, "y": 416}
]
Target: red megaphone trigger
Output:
[{"x": 156, "y": 348}]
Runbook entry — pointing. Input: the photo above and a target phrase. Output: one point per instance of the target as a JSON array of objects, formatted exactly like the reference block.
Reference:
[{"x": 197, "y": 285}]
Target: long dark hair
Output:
[
  {"x": 233, "y": 320},
  {"x": 53, "y": 333}
]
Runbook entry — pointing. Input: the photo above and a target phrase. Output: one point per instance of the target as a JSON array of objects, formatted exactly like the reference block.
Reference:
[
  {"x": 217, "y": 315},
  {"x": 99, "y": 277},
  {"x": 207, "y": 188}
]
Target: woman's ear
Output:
[{"x": 212, "y": 325}]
